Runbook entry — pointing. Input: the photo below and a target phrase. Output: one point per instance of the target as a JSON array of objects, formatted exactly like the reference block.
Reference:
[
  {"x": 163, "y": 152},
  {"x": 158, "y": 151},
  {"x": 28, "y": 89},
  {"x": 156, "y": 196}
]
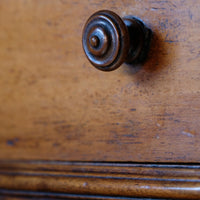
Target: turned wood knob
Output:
[{"x": 108, "y": 40}]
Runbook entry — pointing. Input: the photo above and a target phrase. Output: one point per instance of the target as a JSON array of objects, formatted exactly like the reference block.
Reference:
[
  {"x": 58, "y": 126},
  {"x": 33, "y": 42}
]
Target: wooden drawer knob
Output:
[{"x": 108, "y": 40}]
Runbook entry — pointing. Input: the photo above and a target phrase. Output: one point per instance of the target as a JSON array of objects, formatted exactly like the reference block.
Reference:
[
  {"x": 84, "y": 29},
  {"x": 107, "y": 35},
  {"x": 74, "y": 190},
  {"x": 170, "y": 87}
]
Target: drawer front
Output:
[{"x": 56, "y": 106}]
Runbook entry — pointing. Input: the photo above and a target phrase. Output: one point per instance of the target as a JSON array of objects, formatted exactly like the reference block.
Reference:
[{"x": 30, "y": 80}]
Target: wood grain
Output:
[
  {"x": 105, "y": 180},
  {"x": 56, "y": 106}
]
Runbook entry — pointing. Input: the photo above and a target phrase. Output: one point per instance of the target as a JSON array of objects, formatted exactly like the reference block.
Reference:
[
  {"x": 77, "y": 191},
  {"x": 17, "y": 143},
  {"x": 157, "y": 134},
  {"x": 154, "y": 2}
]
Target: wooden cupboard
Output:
[{"x": 68, "y": 130}]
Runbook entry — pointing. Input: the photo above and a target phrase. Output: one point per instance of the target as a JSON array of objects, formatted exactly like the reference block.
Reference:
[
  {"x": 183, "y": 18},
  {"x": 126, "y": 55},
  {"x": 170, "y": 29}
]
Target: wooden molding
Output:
[{"x": 104, "y": 180}]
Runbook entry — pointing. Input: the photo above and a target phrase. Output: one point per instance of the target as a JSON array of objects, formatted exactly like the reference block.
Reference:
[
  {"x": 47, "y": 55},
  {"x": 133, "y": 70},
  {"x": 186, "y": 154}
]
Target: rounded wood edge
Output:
[{"x": 139, "y": 181}]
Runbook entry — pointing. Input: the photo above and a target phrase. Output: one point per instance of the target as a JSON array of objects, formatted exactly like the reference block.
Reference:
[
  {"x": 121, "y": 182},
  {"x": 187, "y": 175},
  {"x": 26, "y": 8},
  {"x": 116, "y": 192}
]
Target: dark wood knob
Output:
[{"x": 108, "y": 40}]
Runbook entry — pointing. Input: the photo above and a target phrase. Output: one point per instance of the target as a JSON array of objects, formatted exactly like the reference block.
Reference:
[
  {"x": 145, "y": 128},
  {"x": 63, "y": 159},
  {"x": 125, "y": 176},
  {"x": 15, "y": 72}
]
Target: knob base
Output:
[{"x": 140, "y": 38}]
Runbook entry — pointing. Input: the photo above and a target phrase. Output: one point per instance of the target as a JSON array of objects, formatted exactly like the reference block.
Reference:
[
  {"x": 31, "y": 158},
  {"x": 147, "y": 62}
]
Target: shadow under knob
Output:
[{"x": 108, "y": 40}]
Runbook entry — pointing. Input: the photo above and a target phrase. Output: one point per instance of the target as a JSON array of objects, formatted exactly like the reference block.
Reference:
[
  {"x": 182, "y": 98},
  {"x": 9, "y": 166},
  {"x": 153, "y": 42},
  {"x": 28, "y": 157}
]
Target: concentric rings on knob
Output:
[
  {"x": 97, "y": 41},
  {"x": 105, "y": 40}
]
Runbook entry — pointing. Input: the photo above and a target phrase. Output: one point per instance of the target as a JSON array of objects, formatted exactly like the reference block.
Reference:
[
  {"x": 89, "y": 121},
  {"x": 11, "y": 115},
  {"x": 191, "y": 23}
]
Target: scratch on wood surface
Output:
[{"x": 187, "y": 134}]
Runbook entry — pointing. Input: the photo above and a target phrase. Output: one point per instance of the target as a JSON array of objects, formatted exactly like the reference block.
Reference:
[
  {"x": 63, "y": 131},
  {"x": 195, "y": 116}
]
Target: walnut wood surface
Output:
[
  {"x": 56, "y": 106},
  {"x": 104, "y": 180}
]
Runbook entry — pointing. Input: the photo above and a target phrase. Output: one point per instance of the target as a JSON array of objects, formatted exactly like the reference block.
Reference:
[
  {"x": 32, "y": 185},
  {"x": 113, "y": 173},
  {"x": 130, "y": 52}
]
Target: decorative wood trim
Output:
[
  {"x": 19, "y": 195},
  {"x": 108, "y": 180}
]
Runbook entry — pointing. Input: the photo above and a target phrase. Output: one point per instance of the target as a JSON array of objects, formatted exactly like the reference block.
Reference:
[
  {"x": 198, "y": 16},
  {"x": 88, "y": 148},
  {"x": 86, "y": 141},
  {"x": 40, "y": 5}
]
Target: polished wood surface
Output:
[
  {"x": 56, "y": 106},
  {"x": 99, "y": 180}
]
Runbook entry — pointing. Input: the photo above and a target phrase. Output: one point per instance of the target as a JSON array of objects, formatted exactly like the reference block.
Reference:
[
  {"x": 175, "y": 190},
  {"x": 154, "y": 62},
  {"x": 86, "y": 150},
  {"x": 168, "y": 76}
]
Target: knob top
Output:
[
  {"x": 94, "y": 41},
  {"x": 105, "y": 40}
]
